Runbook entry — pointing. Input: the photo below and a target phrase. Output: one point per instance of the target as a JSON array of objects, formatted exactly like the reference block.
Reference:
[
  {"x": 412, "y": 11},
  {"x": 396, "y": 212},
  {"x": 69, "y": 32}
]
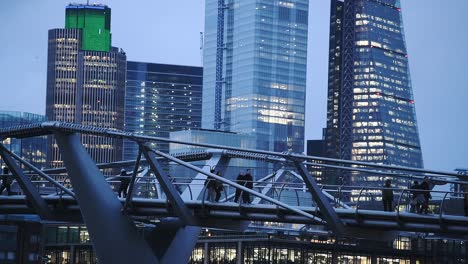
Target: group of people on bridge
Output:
[
  {"x": 420, "y": 196},
  {"x": 215, "y": 187}
]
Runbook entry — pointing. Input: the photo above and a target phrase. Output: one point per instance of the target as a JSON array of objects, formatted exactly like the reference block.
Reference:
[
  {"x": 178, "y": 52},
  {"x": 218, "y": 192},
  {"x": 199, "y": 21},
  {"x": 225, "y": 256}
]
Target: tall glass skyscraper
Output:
[
  {"x": 371, "y": 111},
  {"x": 159, "y": 99},
  {"x": 86, "y": 80},
  {"x": 254, "y": 76}
]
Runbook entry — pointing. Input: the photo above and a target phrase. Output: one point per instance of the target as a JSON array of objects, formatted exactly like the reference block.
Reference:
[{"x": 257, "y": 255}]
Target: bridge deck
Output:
[{"x": 156, "y": 208}]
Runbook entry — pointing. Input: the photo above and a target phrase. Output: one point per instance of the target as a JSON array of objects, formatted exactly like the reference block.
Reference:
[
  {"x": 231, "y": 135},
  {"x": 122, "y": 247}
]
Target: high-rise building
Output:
[
  {"x": 371, "y": 111},
  {"x": 159, "y": 99},
  {"x": 86, "y": 79},
  {"x": 31, "y": 149},
  {"x": 254, "y": 76}
]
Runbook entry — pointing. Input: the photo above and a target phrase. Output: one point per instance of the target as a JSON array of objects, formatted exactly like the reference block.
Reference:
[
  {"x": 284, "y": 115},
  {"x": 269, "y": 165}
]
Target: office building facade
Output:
[
  {"x": 254, "y": 72},
  {"x": 71, "y": 244},
  {"x": 86, "y": 80},
  {"x": 31, "y": 149},
  {"x": 371, "y": 110},
  {"x": 159, "y": 99}
]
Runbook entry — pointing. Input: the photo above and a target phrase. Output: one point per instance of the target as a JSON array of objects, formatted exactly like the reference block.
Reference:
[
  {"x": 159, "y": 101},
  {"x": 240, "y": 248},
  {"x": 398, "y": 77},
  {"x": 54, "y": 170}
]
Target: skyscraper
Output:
[
  {"x": 86, "y": 79},
  {"x": 254, "y": 76},
  {"x": 371, "y": 111},
  {"x": 159, "y": 99}
]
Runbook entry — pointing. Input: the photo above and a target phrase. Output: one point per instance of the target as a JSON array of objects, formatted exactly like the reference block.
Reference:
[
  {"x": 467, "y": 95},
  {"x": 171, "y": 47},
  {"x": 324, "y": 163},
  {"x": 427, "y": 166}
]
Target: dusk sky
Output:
[{"x": 169, "y": 32}]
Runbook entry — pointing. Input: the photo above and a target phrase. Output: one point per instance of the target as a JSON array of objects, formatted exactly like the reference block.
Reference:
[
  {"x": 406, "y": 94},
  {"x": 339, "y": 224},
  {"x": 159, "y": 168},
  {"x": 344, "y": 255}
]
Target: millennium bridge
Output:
[{"x": 178, "y": 207}]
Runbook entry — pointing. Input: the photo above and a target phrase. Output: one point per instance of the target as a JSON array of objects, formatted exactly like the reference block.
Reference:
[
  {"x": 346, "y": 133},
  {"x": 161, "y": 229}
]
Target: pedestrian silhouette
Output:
[
  {"x": 387, "y": 196},
  {"x": 249, "y": 184},
  {"x": 210, "y": 185},
  {"x": 425, "y": 187},
  {"x": 219, "y": 187},
  {"x": 416, "y": 197},
  {"x": 241, "y": 181},
  {"x": 6, "y": 181},
  {"x": 124, "y": 182}
]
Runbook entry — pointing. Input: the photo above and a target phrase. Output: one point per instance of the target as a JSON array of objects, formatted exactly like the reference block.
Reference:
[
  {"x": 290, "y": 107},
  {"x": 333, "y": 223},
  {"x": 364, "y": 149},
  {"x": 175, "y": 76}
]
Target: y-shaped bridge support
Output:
[
  {"x": 114, "y": 236},
  {"x": 171, "y": 241},
  {"x": 327, "y": 211}
]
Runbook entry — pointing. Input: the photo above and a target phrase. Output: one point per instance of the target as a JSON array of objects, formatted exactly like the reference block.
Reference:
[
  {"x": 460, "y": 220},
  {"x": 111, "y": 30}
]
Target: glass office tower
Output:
[
  {"x": 254, "y": 77},
  {"x": 86, "y": 80},
  {"x": 371, "y": 111},
  {"x": 31, "y": 149},
  {"x": 159, "y": 99}
]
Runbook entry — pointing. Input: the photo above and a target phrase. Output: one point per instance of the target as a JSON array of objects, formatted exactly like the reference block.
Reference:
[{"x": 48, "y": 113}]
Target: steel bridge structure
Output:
[{"x": 180, "y": 209}]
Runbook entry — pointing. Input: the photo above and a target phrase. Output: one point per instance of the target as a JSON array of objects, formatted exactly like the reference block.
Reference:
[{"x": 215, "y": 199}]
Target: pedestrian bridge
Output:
[{"x": 80, "y": 192}]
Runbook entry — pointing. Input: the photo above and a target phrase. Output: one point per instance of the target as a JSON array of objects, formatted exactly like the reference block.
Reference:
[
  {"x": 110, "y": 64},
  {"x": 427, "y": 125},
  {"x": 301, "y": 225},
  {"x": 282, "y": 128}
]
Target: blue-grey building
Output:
[
  {"x": 254, "y": 76},
  {"x": 161, "y": 98},
  {"x": 31, "y": 149},
  {"x": 371, "y": 110}
]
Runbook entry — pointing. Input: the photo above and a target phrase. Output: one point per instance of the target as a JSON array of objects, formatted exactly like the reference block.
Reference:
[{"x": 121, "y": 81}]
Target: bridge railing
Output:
[{"x": 292, "y": 193}]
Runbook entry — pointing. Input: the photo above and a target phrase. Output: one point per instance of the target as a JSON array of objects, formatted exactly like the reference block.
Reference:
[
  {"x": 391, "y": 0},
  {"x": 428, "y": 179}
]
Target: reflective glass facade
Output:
[
  {"x": 85, "y": 87},
  {"x": 263, "y": 70},
  {"x": 371, "y": 111},
  {"x": 31, "y": 149},
  {"x": 159, "y": 99}
]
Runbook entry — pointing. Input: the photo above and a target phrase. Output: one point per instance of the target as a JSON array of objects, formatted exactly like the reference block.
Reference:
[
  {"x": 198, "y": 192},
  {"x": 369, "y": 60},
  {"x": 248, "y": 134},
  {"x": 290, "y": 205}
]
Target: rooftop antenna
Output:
[{"x": 201, "y": 47}]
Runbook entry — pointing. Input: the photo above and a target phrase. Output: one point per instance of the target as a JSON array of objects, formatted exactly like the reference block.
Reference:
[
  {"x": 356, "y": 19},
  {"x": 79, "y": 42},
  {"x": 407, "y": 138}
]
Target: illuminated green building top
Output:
[{"x": 95, "y": 22}]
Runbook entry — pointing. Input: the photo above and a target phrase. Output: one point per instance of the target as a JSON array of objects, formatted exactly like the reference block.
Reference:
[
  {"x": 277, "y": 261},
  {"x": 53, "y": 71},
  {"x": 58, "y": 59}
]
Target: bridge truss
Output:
[{"x": 181, "y": 214}]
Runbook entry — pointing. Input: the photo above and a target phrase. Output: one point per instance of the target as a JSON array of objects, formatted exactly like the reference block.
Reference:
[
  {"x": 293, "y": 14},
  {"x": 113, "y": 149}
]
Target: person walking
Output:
[
  {"x": 241, "y": 181},
  {"x": 210, "y": 185},
  {"x": 6, "y": 182},
  {"x": 219, "y": 187},
  {"x": 415, "y": 202},
  {"x": 124, "y": 182},
  {"x": 249, "y": 184},
  {"x": 425, "y": 187},
  {"x": 387, "y": 196}
]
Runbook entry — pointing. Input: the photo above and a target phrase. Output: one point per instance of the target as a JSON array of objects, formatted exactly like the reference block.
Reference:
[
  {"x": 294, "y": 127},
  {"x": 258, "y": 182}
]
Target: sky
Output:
[{"x": 163, "y": 31}]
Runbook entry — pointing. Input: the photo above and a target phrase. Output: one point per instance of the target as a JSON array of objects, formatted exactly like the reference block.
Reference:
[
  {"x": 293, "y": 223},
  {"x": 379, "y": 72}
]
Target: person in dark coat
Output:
[
  {"x": 241, "y": 181},
  {"x": 425, "y": 187},
  {"x": 124, "y": 182},
  {"x": 210, "y": 185},
  {"x": 249, "y": 184},
  {"x": 219, "y": 187},
  {"x": 415, "y": 197},
  {"x": 387, "y": 196},
  {"x": 6, "y": 182}
]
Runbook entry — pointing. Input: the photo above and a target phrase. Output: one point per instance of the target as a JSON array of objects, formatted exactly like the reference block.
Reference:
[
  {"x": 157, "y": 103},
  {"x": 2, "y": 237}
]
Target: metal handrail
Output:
[
  {"x": 357, "y": 203},
  {"x": 398, "y": 206},
  {"x": 442, "y": 207}
]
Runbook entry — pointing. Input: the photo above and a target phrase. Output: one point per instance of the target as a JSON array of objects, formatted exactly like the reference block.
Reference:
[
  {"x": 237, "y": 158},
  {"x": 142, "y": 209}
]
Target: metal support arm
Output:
[
  {"x": 113, "y": 234},
  {"x": 28, "y": 188},
  {"x": 173, "y": 196},
  {"x": 38, "y": 171},
  {"x": 241, "y": 187},
  {"x": 329, "y": 214}
]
